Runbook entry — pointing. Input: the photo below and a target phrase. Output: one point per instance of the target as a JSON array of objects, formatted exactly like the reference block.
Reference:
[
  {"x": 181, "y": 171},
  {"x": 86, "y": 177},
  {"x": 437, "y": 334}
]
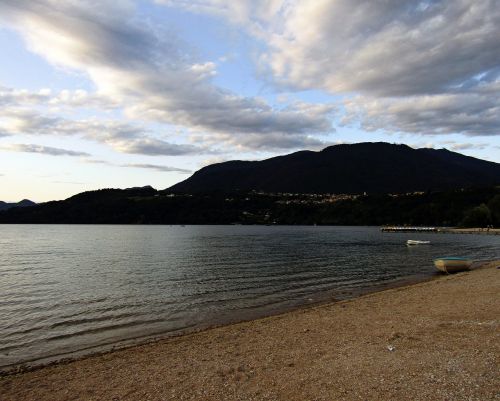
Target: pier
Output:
[
  {"x": 394, "y": 229},
  {"x": 441, "y": 230}
]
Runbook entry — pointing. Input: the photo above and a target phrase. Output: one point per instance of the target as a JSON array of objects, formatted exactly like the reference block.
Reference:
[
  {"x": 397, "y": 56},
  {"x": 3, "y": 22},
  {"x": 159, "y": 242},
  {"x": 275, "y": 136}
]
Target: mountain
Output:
[
  {"x": 23, "y": 203},
  {"x": 357, "y": 168},
  {"x": 402, "y": 185}
]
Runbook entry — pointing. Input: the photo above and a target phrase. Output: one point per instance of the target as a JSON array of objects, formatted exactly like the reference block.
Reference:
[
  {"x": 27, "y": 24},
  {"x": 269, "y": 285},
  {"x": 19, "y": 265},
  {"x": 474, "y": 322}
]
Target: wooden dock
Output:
[
  {"x": 440, "y": 230},
  {"x": 408, "y": 229}
]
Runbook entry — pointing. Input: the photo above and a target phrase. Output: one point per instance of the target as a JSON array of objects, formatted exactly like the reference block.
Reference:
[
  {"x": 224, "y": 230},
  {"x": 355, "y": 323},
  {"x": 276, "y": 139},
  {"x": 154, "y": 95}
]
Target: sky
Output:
[{"x": 116, "y": 94}]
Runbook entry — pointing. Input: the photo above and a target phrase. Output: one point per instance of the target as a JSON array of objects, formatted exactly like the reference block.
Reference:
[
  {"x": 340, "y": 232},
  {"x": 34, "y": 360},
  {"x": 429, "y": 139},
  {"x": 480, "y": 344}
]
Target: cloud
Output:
[
  {"x": 426, "y": 67},
  {"x": 97, "y": 161},
  {"x": 474, "y": 113},
  {"x": 156, "y": 147},
  {"x": 147, "y": 69},
  {"x": 212, "y": 160},
  {"x": 467, "y": 146},
  {"x": 460, "y": 146},
  {"x": 78, "y": 98},
  {"x": 419, "y": 67},
  {"x": 390, "y": 48},
  {"x": 123, "y": 137},
  {"x": 9, "y": 96},
  {"x": 69, "y": 182},
  {"x": 451, "y": 145},
  {"x": 17, "y": 121},
  {"x": 269, "y": 142},
  {"x": 157, "y": 167},
  {"x": 254, "y": 15},
  {"x": 46, "y": 150}
]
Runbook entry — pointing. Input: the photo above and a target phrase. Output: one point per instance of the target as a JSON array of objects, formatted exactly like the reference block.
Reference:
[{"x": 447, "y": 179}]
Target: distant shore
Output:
[{"x": 427, "y": 341}]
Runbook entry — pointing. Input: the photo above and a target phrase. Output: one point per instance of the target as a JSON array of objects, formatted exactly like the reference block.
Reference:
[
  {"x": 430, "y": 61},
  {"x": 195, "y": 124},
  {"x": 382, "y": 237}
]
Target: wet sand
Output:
[{"x": 437, "y": 340}]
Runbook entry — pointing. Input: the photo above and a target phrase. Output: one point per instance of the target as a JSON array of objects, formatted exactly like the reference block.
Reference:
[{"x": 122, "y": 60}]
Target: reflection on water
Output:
[{"x": 70, "y": 288}]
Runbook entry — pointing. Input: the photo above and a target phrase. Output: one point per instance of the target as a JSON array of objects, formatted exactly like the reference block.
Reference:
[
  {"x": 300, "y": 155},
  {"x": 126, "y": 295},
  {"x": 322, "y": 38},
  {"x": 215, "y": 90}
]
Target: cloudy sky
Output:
[{"x": 126, "y": 93}]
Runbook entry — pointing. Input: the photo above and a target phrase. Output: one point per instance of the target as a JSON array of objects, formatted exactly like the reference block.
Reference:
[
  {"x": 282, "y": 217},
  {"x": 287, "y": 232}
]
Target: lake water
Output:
[{"x": 67, "y": 289}]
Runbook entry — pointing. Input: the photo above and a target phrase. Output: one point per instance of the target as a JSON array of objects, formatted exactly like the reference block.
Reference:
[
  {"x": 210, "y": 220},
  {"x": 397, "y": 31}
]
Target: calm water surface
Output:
[{"x": 67, "y": 289}]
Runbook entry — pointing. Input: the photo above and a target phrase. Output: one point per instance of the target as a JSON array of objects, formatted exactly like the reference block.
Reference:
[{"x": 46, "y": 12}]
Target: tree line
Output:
[{"x": 472, "y": 207}]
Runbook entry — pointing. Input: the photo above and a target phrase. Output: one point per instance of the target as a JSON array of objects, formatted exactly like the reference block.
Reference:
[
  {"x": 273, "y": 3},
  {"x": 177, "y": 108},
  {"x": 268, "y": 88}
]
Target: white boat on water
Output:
[
  {"x": 452, "y": 264},
  {"x": 417, "y": 242}
]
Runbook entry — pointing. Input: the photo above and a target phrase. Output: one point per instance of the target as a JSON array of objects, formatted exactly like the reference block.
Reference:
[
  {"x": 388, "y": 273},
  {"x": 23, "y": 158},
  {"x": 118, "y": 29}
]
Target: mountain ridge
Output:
[{"x": 375, "y": 167}]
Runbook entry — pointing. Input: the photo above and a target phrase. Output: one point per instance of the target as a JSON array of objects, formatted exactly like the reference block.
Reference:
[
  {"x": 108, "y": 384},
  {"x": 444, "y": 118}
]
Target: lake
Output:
[{"x": 68, "y": 290}]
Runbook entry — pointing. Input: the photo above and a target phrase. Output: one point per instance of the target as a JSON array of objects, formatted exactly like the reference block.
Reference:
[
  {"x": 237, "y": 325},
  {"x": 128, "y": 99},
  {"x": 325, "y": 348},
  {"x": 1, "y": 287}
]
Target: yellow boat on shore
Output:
[{"x": 452, "y": 264}]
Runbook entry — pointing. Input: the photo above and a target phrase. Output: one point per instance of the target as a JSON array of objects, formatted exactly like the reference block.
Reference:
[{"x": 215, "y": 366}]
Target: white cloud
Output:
[
  {"x": 460, "y": 146},
  {"x": 414, "y": 66},
  {"x": 45, "y": 150},
  {"x": 451, "y": 145},
  {"x": 212, "y": 160},
  {"x": 249, "y": 13},
  {"x": 122, "y": 137},
  {"x": 269, "y": 142},
  {"x": 147, "y": 69},
  {"x": 389, "y": 48},
  {"x": 157, "y": 147},
  {"x": 419, "y": 67},
  {"x": 45, "y": 97},
  {"x": 471, "y": 114},
  {"x": 9, "y": 97},
  {"x": 466, "y": 146}
]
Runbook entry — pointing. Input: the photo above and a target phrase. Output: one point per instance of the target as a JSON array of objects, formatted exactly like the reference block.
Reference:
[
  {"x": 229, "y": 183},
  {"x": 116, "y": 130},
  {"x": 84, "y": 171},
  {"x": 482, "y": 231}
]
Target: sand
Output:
[{"x": 437, "y": 340}]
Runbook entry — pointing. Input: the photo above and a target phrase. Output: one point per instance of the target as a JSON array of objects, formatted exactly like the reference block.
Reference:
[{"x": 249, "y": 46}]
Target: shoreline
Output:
[
  {"x": 235, "y": 361},
  {"x": 326, "y": 298}
]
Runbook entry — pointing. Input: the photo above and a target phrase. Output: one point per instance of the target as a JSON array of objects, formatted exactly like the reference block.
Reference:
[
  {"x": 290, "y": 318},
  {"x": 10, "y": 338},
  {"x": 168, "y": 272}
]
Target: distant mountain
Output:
[
  {"x": 23, "y": 203},
  {"x": 357, "y": 168}
]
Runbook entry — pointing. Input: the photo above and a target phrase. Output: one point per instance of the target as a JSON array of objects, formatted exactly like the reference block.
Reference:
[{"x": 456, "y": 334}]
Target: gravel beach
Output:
[{"x": 437, "y": 340}]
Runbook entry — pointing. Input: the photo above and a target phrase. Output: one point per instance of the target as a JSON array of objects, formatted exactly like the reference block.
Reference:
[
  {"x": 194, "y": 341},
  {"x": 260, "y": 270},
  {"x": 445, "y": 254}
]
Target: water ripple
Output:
[{"x": 65, "y": 289}]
